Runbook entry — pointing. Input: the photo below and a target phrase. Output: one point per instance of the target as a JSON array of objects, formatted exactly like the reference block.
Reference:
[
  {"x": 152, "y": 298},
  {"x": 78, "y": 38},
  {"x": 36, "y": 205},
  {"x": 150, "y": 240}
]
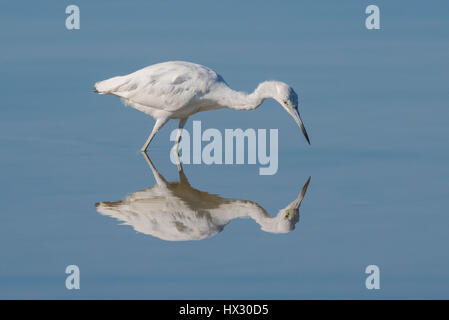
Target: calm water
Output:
[{"x": 374, "y": 102}]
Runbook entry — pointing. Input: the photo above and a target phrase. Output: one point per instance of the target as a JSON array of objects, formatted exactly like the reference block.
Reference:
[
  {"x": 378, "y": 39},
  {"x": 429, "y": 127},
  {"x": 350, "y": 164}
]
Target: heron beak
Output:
[{"x": 297, "y": 117}]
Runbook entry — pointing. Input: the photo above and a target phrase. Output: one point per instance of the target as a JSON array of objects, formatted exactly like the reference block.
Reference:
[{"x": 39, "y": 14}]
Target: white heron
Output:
[
  {"x": 178, "y": 89},
  {"x": 178, "y": 212}
]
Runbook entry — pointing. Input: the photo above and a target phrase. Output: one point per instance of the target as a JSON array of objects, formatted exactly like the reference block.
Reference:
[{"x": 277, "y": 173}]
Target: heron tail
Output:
[{"x": 110, "y": 85}]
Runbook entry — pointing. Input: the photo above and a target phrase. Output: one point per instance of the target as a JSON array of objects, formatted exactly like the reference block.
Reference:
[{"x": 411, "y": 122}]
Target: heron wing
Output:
[{"x": 166, "y": 86}]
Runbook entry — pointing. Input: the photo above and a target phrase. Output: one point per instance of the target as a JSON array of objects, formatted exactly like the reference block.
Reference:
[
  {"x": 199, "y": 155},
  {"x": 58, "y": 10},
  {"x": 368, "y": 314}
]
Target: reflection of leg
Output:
[
  {"x": 175, "y": 149},
  {"x": 182, "y": 176},
  {"x": 157, "y": 176},
  {"x": 159, "y": 123}
]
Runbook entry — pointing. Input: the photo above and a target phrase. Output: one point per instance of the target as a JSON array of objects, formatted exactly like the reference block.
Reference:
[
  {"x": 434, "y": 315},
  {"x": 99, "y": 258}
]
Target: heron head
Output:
[{"x": 288, "y": 99}]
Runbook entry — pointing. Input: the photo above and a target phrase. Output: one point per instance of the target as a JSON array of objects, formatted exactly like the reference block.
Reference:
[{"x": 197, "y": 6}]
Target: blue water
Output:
[{"x": 374, "y": 103}]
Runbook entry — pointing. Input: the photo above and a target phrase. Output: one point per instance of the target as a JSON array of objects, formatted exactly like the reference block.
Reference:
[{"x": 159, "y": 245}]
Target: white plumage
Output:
[
  {"x": 177, "y": 212},
  {"x": 177, "y": 89}
]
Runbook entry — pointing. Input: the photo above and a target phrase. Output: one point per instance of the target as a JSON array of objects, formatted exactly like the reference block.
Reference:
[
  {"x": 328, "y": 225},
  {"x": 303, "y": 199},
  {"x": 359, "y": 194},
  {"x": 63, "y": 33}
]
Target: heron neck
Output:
[{"x": 248, "y": 101}]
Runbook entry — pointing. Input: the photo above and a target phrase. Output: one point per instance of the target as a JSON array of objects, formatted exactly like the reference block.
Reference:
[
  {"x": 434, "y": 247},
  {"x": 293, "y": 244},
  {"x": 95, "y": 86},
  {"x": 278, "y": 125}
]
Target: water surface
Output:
[{"x": 374, "y": 103}]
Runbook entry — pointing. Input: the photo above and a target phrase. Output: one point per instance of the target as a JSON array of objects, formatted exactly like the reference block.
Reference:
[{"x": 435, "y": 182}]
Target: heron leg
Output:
[
  {"x": 181, "y": 125},
  {"x": 159, "y": 123}
]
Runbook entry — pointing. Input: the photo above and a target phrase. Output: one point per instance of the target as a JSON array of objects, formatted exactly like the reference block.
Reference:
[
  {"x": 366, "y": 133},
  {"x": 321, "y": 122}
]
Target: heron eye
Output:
[{"x": 285, "y": 102}]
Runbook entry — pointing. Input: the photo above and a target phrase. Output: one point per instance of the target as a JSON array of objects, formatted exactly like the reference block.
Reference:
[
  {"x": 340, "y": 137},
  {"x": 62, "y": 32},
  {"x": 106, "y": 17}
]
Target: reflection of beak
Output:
[
  {"x": 297, "y": 202},
  {"x": 295, "y": 115}
]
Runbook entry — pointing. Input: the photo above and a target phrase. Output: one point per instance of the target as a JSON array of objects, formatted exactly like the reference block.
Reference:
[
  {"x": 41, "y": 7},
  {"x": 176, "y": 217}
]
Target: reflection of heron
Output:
[
  {"x": 176, "y": 211},
  {"x": 177, "y": 89}
]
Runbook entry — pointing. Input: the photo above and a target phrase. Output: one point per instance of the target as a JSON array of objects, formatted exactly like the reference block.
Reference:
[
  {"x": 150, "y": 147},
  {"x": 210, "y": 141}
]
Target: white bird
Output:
[
  {"x": 178, "y": 89},
  {"x": 177, "y": 212}
]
